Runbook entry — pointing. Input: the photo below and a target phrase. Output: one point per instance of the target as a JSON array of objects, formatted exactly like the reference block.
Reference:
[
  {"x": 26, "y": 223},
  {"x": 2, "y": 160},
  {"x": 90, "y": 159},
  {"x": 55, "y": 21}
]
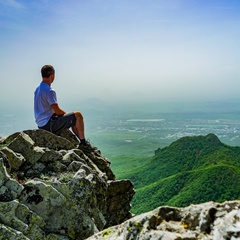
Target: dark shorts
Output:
[{"x": 57, "y": 123}]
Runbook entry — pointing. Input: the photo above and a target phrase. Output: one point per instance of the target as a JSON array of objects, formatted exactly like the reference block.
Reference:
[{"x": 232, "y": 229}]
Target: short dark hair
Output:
[{"x": 47, "y": 70}]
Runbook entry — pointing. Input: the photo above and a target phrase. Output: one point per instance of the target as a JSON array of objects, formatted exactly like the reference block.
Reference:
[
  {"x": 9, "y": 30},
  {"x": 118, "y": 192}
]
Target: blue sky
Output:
[{"x": 121, "y": 50}]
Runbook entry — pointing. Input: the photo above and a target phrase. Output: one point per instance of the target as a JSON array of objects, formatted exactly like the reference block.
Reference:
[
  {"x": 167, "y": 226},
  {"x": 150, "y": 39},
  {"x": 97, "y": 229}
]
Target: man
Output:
[{"x": 48, "y": 114}]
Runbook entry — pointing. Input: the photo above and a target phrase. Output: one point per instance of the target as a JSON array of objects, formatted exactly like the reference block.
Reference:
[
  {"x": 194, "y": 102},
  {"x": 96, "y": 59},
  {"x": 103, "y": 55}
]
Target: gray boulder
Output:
[
  {"x": 52, "y": 189},
  {"x": 207, "y": 221}
]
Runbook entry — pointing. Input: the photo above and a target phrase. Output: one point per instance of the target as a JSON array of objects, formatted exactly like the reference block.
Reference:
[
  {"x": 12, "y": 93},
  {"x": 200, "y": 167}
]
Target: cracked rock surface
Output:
[
  {"x": 207, "y": 221},
  {"x": 52, "y": 189}
]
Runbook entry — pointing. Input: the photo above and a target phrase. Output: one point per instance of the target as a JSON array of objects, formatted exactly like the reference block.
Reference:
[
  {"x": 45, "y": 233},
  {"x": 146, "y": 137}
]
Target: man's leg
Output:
[
  {"x": 78, "y": 129},
  {"x": 74, "y": 120}
]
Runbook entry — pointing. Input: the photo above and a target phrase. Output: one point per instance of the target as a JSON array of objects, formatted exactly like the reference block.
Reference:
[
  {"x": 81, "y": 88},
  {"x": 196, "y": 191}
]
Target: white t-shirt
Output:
[{"x": 44, "y": 97}]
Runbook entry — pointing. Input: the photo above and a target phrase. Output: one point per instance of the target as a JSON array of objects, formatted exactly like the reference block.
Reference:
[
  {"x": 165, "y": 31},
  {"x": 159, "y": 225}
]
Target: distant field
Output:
[
  {"x": 126, "y": 150},
  {"x": 129, "y": 139}
]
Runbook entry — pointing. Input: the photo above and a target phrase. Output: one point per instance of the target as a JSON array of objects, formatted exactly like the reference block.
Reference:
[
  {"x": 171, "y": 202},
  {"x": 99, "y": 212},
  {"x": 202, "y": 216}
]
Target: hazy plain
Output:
[
  {"x": 157, "y": 122},
  {"x": 129, "y": 133}
]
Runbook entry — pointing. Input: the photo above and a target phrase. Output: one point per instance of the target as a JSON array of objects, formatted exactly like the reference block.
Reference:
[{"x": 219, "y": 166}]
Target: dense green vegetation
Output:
[
  {"x": 188, "y": 170},
  {"x": 191, "y": 170}
]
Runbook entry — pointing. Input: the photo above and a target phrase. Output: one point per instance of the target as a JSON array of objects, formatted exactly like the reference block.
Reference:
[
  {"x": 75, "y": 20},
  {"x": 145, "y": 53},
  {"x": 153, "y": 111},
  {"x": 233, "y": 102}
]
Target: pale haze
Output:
[{"x": 113, "y": 50}]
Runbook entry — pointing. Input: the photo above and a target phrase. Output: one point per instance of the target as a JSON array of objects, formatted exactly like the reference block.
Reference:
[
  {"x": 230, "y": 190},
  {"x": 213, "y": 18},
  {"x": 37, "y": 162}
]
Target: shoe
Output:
[{"x": 87, "y": 146}]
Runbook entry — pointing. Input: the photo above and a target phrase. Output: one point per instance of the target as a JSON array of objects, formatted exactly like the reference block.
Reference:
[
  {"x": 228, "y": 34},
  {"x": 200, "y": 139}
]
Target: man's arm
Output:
[{"x": 57, "y": 109}]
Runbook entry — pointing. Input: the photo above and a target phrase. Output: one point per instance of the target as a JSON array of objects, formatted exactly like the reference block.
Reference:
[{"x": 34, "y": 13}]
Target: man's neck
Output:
[{"x": 47, "y": 81}]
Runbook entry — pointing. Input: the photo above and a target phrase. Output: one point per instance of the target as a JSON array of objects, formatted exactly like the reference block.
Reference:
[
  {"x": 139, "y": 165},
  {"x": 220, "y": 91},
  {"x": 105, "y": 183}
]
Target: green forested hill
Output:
[{"x": 191, "y": 170}]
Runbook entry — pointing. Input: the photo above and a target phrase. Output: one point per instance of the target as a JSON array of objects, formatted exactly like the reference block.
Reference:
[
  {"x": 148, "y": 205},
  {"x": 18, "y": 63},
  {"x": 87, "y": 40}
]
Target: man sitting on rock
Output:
[{"x": 48, "y": 115}]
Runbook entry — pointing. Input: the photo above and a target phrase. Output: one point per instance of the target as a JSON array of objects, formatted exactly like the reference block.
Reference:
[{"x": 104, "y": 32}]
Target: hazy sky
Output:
[{"x": 120, "y": 49}]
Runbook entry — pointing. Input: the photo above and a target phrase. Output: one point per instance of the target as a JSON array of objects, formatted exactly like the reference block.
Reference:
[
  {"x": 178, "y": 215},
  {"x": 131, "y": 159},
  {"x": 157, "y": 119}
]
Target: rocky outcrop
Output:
[
  {"x": 52, "y": 189},
  {"x": 207, "y": 221}
]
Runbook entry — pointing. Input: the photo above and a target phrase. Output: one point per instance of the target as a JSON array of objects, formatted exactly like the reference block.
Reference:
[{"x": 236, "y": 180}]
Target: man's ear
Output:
[{"x": 52, "y": 77}]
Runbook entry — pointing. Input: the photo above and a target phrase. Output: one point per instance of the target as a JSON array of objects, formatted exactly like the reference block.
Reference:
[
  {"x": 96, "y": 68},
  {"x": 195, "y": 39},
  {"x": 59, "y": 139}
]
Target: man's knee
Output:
[{"x": 78, "y": 116}]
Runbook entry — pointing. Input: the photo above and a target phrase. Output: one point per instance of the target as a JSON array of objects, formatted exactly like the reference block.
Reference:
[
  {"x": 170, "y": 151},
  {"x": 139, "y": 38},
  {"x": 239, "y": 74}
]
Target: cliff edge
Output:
[{"x": 52, "y": 189}]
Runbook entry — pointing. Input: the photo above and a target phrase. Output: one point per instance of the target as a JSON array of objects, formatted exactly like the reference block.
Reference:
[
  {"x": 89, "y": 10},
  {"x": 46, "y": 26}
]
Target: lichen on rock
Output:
[
  {"x": 208, "y": 221},
  {"x": 52, "y": 189}
]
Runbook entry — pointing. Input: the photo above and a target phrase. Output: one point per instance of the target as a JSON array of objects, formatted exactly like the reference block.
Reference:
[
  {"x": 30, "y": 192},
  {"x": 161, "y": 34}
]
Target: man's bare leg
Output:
[{"x": 78, "y": 129}]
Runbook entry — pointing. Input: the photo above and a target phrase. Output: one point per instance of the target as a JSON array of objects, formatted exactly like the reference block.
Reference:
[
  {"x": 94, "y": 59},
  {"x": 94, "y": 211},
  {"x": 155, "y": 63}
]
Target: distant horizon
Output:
[
  {"x": 95, "y": 102},
  {"x": 104, "y": 107}
]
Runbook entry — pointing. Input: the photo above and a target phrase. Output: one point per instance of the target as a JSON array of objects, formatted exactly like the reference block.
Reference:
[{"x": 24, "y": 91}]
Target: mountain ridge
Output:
[{"x": 191, "y": 170}]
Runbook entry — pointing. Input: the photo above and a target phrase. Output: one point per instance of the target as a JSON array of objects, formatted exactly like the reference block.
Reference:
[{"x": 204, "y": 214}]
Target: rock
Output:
[
  {"x": 24, "y": 145},
  {"x": 51, "y": 189},
  {"x": 119, "y": 190},
  {"x": 41, "y": 198},
  {"x": 157, "y": 151},
  {"x": 208, "y": 221},
  {"x": 15, "y": 160},
  {"x": 4, "y": 177},
  {"x": 20, "y": 221},
  {"x": 50, "y": 140}
]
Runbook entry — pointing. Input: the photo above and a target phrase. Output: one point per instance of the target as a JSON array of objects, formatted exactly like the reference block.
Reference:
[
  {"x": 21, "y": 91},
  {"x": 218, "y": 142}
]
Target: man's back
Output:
[{"x": 44, "y": 97}]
